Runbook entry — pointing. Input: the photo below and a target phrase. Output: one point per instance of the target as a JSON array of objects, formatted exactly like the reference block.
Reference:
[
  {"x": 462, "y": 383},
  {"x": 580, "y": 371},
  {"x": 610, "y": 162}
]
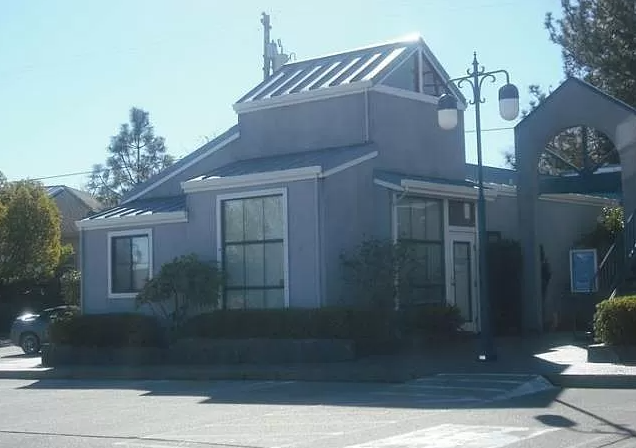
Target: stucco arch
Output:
[{"x": 573, "y": 103}]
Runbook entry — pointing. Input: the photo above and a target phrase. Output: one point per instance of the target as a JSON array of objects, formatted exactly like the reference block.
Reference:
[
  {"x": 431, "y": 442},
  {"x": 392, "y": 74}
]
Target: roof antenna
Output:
[{"x": 272, "y": 59}]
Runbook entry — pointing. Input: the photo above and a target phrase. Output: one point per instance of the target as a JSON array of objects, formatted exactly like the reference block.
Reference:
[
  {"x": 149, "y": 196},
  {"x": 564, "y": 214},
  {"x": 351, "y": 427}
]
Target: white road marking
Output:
[{"x": 451, "y": 436}]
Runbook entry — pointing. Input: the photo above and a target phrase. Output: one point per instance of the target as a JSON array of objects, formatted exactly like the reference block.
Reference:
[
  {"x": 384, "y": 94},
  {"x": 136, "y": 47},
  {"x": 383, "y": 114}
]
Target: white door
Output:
[{"x": 463, "y": 289}]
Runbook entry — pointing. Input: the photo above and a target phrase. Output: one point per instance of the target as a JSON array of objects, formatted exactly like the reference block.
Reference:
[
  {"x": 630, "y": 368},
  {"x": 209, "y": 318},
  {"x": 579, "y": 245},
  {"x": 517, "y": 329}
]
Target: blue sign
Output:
[{"x": 583, "y": 270}]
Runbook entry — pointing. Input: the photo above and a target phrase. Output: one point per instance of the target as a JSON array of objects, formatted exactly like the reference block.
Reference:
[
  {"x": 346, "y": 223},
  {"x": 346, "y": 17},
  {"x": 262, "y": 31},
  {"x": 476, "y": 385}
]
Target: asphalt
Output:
[{"x": 560, "y": 358}]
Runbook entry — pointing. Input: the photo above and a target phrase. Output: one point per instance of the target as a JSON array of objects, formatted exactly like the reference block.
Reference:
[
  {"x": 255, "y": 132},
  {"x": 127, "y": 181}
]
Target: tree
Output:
[
  {"x": 598, "y": 44},
  {"x": 30, "y": 233},
  {"x": 182, "y": 284},
  {"x": 134, "y": 155}
]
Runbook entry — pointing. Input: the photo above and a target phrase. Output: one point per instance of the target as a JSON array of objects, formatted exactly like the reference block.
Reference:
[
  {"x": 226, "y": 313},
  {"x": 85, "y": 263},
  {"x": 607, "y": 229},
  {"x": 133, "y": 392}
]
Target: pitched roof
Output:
[
  {"x": 396, "y": 178},
  {"x": 326, "y": 159},
  {"x": 492, "y": 174},
  {"x": 369, "y": 64},
  {"x": 86, "y": 198},
  {"x": 144, "y": 207}
]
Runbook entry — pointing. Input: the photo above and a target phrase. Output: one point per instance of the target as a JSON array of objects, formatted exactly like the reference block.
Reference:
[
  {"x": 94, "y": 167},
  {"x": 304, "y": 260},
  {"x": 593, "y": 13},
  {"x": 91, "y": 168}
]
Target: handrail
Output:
[{"x": 611, "y": 269}]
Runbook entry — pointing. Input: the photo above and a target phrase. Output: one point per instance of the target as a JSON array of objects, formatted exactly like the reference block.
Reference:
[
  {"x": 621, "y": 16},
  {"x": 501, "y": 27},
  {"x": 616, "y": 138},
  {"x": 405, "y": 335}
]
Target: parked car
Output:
[{"x": 30, "y": 331}]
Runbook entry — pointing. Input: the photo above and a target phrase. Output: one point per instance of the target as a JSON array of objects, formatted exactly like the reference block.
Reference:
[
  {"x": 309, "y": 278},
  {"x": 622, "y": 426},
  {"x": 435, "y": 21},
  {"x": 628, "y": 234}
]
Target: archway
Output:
[{"x": 583, "y": 112}]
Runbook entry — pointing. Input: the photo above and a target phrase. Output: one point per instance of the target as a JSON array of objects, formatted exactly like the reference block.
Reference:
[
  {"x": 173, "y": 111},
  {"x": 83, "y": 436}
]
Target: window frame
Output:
[
  {"x": 254, "y": 194},
  {"x": 127, "y": 233}
]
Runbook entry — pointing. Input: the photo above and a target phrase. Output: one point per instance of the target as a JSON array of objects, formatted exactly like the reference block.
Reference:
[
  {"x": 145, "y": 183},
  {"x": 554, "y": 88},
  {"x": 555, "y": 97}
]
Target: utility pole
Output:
[{"x": 266, "y": 59}]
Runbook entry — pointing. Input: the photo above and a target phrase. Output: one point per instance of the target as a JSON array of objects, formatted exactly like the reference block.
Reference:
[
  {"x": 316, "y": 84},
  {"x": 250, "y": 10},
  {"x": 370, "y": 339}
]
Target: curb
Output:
[{"x": 591, "y": 381}]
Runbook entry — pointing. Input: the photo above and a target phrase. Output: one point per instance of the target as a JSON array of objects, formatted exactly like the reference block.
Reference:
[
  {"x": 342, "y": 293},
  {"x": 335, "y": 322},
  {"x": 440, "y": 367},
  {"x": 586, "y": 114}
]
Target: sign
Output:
[{"x": 583, "y": 270}]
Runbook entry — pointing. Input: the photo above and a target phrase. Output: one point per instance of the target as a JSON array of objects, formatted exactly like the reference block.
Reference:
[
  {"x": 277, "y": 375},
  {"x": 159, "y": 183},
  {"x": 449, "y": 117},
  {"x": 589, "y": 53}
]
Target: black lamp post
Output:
[{"x": 447, "y": 118}]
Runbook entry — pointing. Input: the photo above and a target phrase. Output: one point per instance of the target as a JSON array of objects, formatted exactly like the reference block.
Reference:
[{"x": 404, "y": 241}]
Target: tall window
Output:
[
  {"x": 253, "y": 252},
  {"x": 130, "y": 262},
  {"x": 420, "y": 225}
]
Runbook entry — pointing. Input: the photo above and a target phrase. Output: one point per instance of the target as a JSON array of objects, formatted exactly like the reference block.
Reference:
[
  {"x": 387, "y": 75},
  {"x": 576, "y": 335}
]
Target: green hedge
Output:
[
  {"x": 322, "y": 323},
  {"x": 116, "y": 330},
  {"x": 615, "y": 321}
]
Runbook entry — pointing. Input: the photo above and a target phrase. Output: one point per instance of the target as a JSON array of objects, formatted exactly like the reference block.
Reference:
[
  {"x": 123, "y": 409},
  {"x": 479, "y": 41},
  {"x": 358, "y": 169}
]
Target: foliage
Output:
[
  {"x": 134, "y": 155},
  {"x": 615, "y": 321},
  {"x": 433, "y": 320},
  {"x": 609, "y": 224},
  {"x": 598, "y": 44},
  {"x": 184, "y": 283},
  {"x": 70, "y": 287},
  {"x": 30, "y": 232},
  {"x": 379, "y": 272},
  {"x": 117, "y": 330},
  {"x": 573, "y": 150}
]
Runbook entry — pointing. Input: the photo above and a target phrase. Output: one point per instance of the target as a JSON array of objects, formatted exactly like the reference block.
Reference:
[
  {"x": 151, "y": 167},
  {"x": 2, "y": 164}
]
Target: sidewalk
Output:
[{"x": 556, "y": 357}]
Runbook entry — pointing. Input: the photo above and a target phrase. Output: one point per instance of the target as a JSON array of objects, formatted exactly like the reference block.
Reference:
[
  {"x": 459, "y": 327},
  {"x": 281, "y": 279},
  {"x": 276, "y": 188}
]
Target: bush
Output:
[
  {"x": 505, "y": 263},
  {"x": 433, "y": 320},
  {"x": 615, "y": 321},
  {"x": 70, "y": 287},
  {"x": 117, "y": 330}
]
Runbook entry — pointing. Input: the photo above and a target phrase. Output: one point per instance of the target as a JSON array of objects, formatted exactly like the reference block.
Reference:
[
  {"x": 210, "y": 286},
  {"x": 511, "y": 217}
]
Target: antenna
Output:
[{"x": 266, "y": 51}]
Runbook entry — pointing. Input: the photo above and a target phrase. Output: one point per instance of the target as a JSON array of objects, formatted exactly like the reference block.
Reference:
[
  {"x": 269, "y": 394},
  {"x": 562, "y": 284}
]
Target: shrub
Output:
[
  {"x": 615, "y": 321},
  {"x": 505, "y": 263},
  {"x": 373, "y": 268},
  {"x": 117, "y": 330},
  {"x": 70, "y": 287},
  {"x": 185, "y": 283},
  {"x": 433, "y": 319}
]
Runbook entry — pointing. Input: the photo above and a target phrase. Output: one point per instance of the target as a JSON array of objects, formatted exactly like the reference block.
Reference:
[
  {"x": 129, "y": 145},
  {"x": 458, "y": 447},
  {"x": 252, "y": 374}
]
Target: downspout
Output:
[
  {"x": 319, "y": 258},
  {"x": 82, "y": 270},
  {"x": 366, "y": 116}
]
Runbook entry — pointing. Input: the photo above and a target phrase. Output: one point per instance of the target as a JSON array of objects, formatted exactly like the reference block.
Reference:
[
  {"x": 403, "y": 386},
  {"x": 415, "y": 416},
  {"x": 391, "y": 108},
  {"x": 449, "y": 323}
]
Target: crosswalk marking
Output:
[{"x": 451, "y": 436}]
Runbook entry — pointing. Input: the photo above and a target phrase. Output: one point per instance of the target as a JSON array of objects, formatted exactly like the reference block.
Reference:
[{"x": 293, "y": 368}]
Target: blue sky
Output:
[{"x": 71, "y": 70}]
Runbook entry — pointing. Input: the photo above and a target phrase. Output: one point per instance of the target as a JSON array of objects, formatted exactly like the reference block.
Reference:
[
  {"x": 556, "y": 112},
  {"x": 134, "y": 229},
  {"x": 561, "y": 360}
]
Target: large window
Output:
[
  {"x": 420, "y": 225},
  {"x": 253, "y": 252},
  {"x": 130, "y": 263}
]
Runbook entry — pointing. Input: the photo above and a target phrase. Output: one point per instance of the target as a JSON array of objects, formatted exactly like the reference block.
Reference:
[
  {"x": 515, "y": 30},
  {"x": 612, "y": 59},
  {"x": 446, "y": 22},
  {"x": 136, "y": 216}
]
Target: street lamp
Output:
[{"x": 447, "y": 119}]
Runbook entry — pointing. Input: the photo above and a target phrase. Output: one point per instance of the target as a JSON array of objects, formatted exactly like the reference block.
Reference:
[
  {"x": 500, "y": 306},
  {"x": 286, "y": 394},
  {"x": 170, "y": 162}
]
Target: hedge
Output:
[
  {"x": 615, "y": 321},
  {"x": 116, "y": 330},
  {"x": 322, "y": 323}
]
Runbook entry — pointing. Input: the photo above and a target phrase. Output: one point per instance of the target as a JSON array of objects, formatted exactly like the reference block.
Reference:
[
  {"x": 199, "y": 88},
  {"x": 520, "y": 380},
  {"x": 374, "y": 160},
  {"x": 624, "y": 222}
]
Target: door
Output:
[{"x": 463, "y": 287}]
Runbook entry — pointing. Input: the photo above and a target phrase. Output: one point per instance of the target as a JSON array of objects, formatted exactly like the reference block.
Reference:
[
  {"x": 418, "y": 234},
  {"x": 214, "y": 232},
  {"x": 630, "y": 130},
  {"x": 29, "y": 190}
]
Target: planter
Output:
[
  {"x": 615, "y": 354},
  {"x": 259, "y": 351},
  {"x": 54, "y": 355}
]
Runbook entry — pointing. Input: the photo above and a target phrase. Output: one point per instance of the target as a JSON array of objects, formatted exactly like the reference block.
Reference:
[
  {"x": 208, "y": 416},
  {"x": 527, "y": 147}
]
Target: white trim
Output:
[
  {"x": 566, "y": 198},
  {"x": 250, "y": 180},
  {"x": 270, "y": 177},
  {"x": 350, "y": 163},
  {"x": 417, "y": 96},
  {"x": 255, "y": 194},
  {"x": 120, "y": 233},
  {"x": 444, "y": 190},
  {"x": 184, "y": 167},
  {"x": 302, "y": 97},
  {"x": 130, "y": 221},
  {"x": 388, "y": 185}
]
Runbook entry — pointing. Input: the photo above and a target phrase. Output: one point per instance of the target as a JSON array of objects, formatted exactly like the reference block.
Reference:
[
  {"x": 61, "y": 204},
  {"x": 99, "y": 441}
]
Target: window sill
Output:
[{"x": 125, "y": 295}]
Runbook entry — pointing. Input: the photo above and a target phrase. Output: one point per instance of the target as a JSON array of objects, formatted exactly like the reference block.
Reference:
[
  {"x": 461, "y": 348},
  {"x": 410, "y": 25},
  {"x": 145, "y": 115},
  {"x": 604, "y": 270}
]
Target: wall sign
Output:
[{"x": 583, "y": 265}]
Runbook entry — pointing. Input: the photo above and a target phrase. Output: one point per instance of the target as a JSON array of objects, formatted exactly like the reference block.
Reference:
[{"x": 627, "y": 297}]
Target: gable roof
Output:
[
  {"x": 364, "y": 66},
  {"x": 571, "y": 80},
  {"x": 181, "y": 165},
  {"x": 492, "y": 174},
  {"x": 86, "y": 198}
]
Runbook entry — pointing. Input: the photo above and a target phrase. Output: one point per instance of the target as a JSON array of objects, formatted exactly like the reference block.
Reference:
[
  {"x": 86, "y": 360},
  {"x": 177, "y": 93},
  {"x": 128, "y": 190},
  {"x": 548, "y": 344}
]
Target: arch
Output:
[{"x": 573, "y": 103}]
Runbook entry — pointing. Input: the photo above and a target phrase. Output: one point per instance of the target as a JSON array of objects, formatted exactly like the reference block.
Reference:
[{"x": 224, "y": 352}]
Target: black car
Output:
[{"x": 30, "y": 331}]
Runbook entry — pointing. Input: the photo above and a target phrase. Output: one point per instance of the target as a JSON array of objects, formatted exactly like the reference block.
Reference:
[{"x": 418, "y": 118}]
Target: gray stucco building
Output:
[{"x": 327, "y": 152}]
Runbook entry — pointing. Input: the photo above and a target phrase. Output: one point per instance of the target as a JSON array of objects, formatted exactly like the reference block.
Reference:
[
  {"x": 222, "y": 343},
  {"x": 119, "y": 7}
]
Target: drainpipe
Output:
[
  {"x": 319, "y": 259},
  {"x": 366, "y": 116},
  {"x": 82, "y": 269}
]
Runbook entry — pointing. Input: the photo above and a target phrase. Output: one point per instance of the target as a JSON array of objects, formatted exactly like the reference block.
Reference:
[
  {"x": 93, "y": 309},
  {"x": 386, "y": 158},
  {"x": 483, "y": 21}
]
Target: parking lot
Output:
[{"x": 12, "y": 358}]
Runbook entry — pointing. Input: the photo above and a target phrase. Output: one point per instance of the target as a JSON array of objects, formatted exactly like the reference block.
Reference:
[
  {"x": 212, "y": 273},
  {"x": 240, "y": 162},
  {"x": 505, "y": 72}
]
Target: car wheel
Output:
[{"x": 30, "y": 343}]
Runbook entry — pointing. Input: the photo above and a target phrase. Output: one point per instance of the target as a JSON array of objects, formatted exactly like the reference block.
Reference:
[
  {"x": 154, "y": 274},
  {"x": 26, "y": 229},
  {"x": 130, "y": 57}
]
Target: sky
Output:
[{"x": 70, "y": 70}]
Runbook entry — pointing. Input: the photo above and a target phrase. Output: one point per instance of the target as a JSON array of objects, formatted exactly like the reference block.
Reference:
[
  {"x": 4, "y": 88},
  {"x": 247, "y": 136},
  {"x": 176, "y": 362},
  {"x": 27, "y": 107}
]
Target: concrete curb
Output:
[{"x": 586, "y": 381}]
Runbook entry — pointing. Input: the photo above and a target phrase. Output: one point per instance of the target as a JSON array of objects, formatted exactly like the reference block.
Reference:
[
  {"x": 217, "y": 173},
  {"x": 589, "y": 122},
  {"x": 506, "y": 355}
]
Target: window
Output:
[
  {"x": 461, "y": 213},
  {"x": 130, "y": 262},
  {"x": 253, "y": 233},
  {"x": 420, "y": 225}
]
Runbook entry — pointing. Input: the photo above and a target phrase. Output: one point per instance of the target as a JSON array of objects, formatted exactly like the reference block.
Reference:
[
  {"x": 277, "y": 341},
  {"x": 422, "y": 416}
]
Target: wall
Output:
[
  {"x": 199, "y": 235},
  {"x": 410, "y": 140},
  {"x": 303, "y": 127},
  {"x": 560, "y": 225}
]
